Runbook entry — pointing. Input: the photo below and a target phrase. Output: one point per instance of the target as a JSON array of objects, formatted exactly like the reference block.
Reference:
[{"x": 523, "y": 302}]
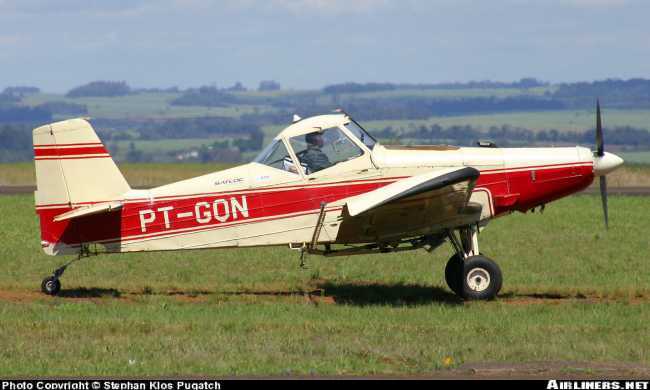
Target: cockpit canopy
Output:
[{"x": 317, "y": 143}]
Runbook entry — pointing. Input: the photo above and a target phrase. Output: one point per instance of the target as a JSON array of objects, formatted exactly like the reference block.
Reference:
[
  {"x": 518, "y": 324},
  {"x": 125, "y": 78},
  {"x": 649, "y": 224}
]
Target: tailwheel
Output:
[
  {"x": 481, "y": 278},
  {"x": 51, "y": 285}
]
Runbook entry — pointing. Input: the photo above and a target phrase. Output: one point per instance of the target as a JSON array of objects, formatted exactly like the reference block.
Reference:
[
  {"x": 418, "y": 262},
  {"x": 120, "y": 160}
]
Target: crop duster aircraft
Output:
[{"x": 323, "y": 186}]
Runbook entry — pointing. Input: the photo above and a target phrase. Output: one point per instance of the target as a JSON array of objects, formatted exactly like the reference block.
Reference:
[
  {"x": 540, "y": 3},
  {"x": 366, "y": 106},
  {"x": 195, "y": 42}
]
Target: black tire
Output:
[
  {"x": 453, "y": 274},
  {"x": 481, "y": 278},
  {"x": 51, "y": 286}
]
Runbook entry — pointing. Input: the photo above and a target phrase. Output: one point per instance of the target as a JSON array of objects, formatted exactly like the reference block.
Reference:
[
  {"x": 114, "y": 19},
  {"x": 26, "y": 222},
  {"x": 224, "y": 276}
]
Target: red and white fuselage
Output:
[{"x": 82, "y": 198}]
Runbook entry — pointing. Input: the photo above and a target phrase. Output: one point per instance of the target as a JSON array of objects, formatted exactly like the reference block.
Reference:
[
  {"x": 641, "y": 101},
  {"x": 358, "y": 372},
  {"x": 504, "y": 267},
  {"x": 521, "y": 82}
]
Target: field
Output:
[
  {"x": 575, "y": 296},
  {"x": 137, "y": 174},
  {"x": 565, "y": 120},
  {"x": 636, "y": 157},
  {"x": 161, "y": 146},
  {"x": 156, "y": 106},
  {"x": 143, "y": 105}
]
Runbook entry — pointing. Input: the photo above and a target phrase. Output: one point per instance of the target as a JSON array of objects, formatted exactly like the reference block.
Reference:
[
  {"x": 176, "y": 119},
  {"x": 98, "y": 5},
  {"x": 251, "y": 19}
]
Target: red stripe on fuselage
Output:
[
  {"x": 489, "y": 175},
  {"x": 126, "y": 223},
  {"x": 530, "y": 190}
]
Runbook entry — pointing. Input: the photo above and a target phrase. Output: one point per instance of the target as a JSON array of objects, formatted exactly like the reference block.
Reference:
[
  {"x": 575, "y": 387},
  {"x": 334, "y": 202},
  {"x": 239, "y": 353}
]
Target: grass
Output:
[{"x": 247, "y": 312}]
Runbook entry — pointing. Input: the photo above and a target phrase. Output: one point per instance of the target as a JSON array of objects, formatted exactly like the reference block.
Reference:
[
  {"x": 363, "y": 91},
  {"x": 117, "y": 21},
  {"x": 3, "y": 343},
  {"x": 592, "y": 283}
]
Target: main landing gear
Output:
[{"x": 468, "y": 273}]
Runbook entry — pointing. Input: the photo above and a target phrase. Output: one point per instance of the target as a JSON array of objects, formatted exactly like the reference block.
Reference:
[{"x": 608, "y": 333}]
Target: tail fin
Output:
[
  {"x": 73, "y": 166},
  {"x": 73, "y": 169}
]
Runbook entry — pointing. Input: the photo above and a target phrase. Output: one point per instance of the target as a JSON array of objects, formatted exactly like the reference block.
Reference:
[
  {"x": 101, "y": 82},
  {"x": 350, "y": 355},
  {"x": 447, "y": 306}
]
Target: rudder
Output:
[
  {"x": 73, "y": 169},
  {"x": 73, "y": 166}
]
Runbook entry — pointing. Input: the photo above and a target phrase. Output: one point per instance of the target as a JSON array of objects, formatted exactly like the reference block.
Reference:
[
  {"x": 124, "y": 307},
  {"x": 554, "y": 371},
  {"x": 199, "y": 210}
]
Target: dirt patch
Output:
[
  {"x": 561, "y": 369},
  {"x": 556, "y": 299},
  {"x": 82, "y": 294},
  {"x": 558, "y": 370},
  {"x": 21, "y": 296},
  {"x": 190, "y": 296},
  {"x": 187, "y": 296},
  {"x": 360, "y": 295}
]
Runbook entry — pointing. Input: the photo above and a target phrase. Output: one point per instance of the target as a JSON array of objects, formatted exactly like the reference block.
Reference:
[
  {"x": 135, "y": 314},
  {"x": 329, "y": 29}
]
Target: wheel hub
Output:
[{"x": 478, "y": 279}]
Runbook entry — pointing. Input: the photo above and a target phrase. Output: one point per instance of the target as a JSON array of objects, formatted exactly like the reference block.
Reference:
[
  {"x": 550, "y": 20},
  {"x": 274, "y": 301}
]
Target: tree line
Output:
[
  {"x": 233, "y": 137},
  {"x": 100, "y": 89},
  {"x": 352, "y": 87},
  {"x": 632, "y": 93}
]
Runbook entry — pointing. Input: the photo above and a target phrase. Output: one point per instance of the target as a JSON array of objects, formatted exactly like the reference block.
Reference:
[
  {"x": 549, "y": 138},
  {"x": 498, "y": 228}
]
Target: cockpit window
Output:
[
  {"x": 275, "y": 155},
  {"x": 322, "y": 149},
  {"x": 361, "y": 134}
]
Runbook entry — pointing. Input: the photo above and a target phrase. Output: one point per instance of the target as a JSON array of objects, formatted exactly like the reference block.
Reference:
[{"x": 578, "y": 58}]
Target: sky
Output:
[{"x": 303, "y": 44}]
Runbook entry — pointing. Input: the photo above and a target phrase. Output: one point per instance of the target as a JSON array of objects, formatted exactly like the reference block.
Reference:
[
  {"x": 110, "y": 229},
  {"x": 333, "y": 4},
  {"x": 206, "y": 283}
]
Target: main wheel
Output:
[
  {"x": 453, "y": 274},
  {"x": 481, "y": 278},
  {"x": 51, "y": 285}
]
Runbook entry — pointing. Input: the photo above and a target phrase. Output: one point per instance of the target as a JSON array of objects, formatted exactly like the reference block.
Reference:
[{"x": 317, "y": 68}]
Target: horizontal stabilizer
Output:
[{"x": 89, "y": 210}]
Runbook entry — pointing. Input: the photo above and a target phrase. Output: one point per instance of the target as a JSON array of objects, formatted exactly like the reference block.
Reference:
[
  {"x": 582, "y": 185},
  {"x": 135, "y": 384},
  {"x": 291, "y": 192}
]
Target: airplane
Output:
[{"x": 322, "y": 186}]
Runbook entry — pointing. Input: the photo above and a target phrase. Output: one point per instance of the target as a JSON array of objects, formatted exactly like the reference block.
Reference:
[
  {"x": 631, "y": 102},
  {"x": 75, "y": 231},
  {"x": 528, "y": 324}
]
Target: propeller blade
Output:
[
  {"x": 603, "y": 197},
  {"x": 600, "y": 144}
]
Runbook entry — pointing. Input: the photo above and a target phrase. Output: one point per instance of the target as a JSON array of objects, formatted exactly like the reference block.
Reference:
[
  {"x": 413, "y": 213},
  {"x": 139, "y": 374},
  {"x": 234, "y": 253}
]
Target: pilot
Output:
[{"x": 313, "y": 156}]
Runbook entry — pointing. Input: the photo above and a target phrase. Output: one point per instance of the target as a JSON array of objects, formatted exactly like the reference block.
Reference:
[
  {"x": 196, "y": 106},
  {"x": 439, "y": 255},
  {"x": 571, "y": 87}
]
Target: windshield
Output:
[
  {"x": 275, "y": 155},
  {"x": 361, "y": 134},
  {"x": 319, "y": 150}
]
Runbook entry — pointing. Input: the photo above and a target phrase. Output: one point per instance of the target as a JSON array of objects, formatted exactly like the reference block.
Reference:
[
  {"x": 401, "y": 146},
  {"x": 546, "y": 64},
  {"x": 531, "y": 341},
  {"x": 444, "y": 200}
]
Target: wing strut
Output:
[
  {"x": 314, "y": 238},
  {"x": 318, "y": 227}
]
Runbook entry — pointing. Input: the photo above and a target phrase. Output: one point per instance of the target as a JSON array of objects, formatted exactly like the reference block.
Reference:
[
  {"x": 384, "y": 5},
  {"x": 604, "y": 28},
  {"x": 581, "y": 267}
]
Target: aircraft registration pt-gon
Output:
[{"x": 323, "y": 186}]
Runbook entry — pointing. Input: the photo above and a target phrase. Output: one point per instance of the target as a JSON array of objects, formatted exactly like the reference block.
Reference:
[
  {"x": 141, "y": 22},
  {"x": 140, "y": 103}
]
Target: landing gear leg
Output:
[
  {"x": 468, "y": 273},
  {"x": 51, "y": 285}
]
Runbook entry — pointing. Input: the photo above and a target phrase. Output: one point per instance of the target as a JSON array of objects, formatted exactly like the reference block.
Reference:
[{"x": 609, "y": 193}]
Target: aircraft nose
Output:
[{"x": 607, "y": 163}]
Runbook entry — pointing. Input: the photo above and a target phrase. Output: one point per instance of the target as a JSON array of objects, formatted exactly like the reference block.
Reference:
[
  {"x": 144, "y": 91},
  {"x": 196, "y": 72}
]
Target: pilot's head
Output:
[{"x": 315, "y": 139}]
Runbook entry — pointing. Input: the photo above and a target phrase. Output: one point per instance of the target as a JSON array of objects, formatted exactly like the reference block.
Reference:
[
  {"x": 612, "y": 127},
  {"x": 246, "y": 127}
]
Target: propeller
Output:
[
  {"x": 604, "y": 162},
  {"x": 600, "y": 152}
]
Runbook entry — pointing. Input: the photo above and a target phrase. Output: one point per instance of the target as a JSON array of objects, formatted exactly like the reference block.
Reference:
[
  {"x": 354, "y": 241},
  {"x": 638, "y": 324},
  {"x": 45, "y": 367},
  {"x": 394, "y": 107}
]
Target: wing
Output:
[{"x": 421, "y": 204}]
